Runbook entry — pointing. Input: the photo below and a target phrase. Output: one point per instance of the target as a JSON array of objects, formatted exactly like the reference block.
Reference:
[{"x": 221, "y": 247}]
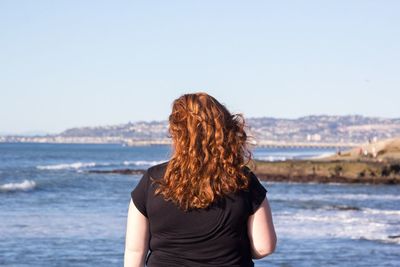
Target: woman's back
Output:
[
  {"x": 204, "y": 207},
  {"x": 214, "y": 236}
]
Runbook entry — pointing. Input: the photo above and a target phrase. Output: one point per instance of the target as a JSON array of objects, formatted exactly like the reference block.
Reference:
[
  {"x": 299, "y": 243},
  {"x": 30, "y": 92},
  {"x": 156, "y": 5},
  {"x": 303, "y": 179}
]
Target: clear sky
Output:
[{"x": 87, "y": 63}]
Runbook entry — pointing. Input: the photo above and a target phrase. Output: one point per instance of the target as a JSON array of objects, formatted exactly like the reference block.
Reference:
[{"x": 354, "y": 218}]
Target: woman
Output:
[{"x": 203, "y": 207}]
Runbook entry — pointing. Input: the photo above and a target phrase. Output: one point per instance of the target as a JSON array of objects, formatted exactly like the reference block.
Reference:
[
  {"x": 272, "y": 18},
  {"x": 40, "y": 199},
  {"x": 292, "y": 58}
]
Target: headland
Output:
[{"x": 375, "y": 162}]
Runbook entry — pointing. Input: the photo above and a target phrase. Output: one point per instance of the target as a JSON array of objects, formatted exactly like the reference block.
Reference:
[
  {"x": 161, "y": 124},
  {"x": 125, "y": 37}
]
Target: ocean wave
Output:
[
  {"x": 335, "y": 196},
  {"x": 63, "y": 166},
  {"x": 386, "y": 240},
  {"x": 340, "y": 207},
  {"x": 23, "y": 186},
  {"x": 367, "y": 211},
  {"x": 351, "y": 224},
  {"x": 322, "y": 155},
  {"x": 142, "y": 162},
  {"x": 381, "y": 211},
  {"x": 82, "y": 165},
  {"x": 366, "y": 197},
  {"x": 273, "y": 158}
]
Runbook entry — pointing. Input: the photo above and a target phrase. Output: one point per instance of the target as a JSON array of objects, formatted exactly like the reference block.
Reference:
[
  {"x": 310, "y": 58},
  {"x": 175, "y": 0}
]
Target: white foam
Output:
[
  {"x": 367, "y": 197},
  {"x": 142, "y": 162},
  {"x": 23, "y": 186},
  {"x": 370, "y": 224},
  {"x": 81, "y": 165},
  {"x": 272, "y": 158},
  {"x": 322, "y": 155},
  {"x": 333, "y": 196},
  {"x": 278, "y": 156},
  {"x": 62, "y": 166},
  {"x": 381, "y": 212}
]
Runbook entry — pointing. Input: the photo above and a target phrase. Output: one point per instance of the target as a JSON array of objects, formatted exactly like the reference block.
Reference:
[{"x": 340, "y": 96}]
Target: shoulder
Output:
[
  {"x": 249, "y": 173},
  {"x": 150, "y": 174},
  {"x": 246, "y": 169},
  {"x": 157, "y": 171}
]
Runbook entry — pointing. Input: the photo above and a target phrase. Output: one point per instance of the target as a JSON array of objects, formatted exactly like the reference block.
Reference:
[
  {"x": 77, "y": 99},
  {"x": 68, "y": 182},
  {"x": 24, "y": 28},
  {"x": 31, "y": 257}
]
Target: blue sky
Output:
[{"x": 87, "y": 63}]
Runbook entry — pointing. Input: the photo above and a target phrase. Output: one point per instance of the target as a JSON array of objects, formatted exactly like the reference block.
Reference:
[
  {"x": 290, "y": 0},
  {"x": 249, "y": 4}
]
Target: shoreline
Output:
[
  {"x": 312, "y": 171},
  {"x": 325, "y": 180},
  {"x": 332, "y": 171}
]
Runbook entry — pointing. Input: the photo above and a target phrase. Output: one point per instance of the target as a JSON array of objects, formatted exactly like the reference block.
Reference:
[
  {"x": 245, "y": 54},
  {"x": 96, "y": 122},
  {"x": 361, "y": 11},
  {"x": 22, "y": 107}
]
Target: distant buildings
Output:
[
  {"x": 313, "y": 137},
  {"x": 313, "y": 129}
]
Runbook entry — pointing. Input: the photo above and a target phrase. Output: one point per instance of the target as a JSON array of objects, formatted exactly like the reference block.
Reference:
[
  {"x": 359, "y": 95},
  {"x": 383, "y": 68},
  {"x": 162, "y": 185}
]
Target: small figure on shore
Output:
[{"x": 374, "y": 152}]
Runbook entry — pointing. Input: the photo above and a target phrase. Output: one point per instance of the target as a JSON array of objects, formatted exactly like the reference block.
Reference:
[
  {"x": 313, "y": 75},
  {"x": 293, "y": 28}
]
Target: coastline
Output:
[
  {"x": 334, "y": 171},
  {"x": 312, "y": 171}
]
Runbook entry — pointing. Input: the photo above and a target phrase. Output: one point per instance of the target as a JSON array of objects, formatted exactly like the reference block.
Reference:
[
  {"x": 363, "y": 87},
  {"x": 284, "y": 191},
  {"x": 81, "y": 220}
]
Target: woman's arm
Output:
[
  {"x": 137, "y": 238},
  {"x": 261, "y": 231}
]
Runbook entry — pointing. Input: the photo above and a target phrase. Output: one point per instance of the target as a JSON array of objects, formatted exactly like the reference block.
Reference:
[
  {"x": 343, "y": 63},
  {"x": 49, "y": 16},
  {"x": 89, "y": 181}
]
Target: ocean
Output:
[{"x": 54, "y": 213}]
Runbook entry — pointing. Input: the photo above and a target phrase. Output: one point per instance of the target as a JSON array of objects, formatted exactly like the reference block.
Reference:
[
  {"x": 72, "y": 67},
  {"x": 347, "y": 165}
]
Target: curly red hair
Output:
[{"x": 209, "y": 152}]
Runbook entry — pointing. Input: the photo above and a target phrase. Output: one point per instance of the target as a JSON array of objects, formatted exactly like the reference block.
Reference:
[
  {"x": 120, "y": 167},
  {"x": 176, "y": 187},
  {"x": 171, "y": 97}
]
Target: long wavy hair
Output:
[{"x": 209, "y": 152}]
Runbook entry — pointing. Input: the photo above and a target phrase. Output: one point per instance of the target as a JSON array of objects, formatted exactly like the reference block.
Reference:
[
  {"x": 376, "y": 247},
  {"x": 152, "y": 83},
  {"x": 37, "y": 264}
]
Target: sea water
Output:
[{"x": 54, "y": 213}]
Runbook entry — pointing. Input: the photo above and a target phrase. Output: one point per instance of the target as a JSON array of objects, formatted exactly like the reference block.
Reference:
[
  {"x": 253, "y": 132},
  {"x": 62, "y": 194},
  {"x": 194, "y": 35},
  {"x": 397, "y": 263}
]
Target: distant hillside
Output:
[
  {"x": 139, "y": 130},
  {"x": 324, "y": 128},
  {"x": 313, "y": 128}
]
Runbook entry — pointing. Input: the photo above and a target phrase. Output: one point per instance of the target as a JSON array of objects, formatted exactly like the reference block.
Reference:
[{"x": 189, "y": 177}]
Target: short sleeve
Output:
[
  {"x": 257, "y": 192},
  {"x": 139, "y": 194}
]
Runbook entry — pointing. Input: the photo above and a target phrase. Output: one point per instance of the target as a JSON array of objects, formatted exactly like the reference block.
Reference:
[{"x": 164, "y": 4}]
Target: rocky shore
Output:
[
  {"x": 374, "y": 163},
  {"x": 329, "y": 171},
  {"x": 312, "y": 171}
]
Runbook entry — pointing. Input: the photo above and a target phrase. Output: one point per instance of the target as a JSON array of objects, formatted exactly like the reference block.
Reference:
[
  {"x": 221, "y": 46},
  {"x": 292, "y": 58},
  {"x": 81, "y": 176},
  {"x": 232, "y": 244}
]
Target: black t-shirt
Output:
[{"x": 216, "y": 236}]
